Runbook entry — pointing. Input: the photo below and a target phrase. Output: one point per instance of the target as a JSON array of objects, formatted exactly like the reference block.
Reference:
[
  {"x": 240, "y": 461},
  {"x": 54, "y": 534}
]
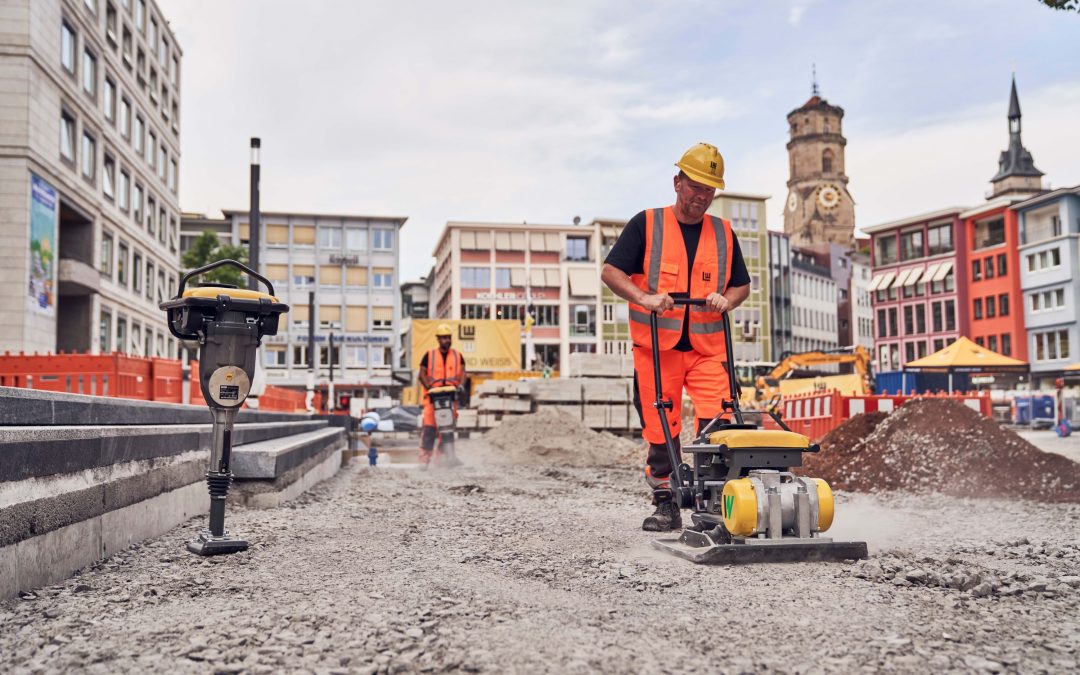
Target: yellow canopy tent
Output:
[
  {"x": 964, "y": 356},
  {"x": 1072, "y": 374}
]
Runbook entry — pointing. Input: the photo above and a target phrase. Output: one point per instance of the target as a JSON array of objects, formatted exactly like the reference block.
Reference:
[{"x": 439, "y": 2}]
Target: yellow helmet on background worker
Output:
[
  {"x": 704, "y": 164},
  {"x": 443, "y": 330}
]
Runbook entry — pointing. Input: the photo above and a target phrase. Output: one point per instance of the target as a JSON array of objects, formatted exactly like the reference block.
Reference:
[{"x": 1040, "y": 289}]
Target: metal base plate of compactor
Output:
[
  {"x": 700, "y": 548},
  {"x": 208, "y": 544}
]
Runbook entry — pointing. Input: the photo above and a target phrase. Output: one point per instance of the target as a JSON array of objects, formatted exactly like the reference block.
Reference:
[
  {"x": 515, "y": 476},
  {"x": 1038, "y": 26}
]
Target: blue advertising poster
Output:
[{"x": 43, "y": 239}]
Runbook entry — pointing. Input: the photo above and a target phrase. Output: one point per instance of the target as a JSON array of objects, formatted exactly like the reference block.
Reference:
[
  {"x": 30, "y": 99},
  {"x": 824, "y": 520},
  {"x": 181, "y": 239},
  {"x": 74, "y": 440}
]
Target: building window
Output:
[
  {"x": 992, "y": 343},
  {"x": 909, "y": 351},
  {"x": 990, "y": 307},
  {"x": 584, "y": 320},
  {"x": 977, "y": 312},
  {"x": 988, "y": 266},
  {"x": 125, "y": 118},
  {"x": 885, "y": 250},
  {"x": 882, "y": 326},
  {"x": 990, "y": 233},
  {"x": 330, "y": 237},
  {"x": 275, "y": 356},
  {"x": 149, "y": 280},
  {"x": 382, "y": 278},
  {"x": 140, "y": 15},
  {"x": 139, "y": 138},
  {"x": 476, "y": 311},
  {"x": 105, "y": 333},
  {"x": 174, "y": 71},
  {"x": 980, "y": 341},
  {"x": 136, "y": 274},
  {"x": 546, "y": 315},
  {"x": 577, "y": 248},
  {"x": 127, "y": 47},
  {"x": 920, "y": 319},
  {"x": 894, "y": 322},
  {"x": 383, "y": 240},
  {"x": 300, "y": 355},
  {"x": 1006, "y": 344},
  {"x": 1003, "y": 304},
  {"x": 67, "y": 47},
  {"x": 950, "y": 315},
  {"x": 67, "y": 137},
  {"x": 89, "y": 74},
  {"x": 976, "y": 270},
  {"x": 152, "y": 35},
  {"x": 162, "y": 219},
  {"x": 1002, "y": 266},
  {"x": 151, "y": 207},
  {"x": 151, "y": 148},
  {"x": 911, "y": 245},
  {"x": 939, "y": 344},
  {"x": 474, "y": 277},
  {"x": 122, "y": 190},
  {"x": 121, "y": 334},
  {"x": 105, "y": 265},
  {"x": 89, "y": 156},
  {"x": 827, "y": 160},
  {"x": 122, "y": 265},
  {"x": 355, "y": 239},
  {"x": 163, "y": 161},
  {"x": 502, "y": 277},
  {"x": 172, "y": 175},
  {"x": 109, "y": 99},
  {"x": 137, "y": 204},
  {"x": 110, "y": 23},
  {"x": 939, "y": 239}
]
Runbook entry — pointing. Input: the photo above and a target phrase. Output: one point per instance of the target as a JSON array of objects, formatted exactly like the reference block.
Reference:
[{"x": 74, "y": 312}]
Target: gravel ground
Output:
[
  {"x": 1047, "y": 440},
  {"x": 494, "y": 568}
]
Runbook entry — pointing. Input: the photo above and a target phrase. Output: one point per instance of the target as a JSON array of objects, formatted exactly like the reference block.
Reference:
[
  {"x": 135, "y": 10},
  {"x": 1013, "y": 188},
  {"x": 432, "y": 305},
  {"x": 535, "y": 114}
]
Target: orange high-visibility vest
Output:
[
  {"x": 451, "y": 369},
  {"x": 665, "y": 271}
]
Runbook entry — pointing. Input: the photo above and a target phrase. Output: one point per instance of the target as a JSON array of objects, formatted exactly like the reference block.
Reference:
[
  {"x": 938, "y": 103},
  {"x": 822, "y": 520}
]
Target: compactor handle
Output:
[{"x": 221, "y": 263}]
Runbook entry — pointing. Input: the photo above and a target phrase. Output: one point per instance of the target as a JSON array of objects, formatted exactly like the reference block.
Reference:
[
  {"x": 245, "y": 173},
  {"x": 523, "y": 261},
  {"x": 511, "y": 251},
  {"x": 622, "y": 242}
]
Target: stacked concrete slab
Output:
[{"x": 83, "y": 477}]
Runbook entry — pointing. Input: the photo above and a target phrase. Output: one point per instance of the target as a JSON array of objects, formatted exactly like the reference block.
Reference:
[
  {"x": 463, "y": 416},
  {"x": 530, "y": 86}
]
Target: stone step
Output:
[
  {"x": 38, "y": 451},
  {"x": 269, "y": 459}
]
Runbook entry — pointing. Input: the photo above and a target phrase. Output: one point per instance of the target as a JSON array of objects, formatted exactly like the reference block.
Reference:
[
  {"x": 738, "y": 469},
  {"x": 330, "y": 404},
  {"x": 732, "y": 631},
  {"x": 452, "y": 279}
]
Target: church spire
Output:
[
  {"x": 1016, "y": 167},
  {"x": 814, "y": 91}
]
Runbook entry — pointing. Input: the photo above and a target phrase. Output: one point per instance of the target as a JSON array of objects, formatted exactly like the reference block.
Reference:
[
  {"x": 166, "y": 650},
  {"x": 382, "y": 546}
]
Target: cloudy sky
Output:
[{"x": 542, "y": 111}]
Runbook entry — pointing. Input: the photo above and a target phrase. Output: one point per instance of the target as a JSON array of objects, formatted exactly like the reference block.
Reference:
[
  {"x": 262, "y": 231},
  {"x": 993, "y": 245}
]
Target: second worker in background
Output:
[{"x": 679, "y": 250}]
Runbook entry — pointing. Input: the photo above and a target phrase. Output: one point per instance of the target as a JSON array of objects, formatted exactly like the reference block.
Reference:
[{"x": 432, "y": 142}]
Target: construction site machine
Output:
[
  {"x": 782, "y": 380},
  {"x": 747, "y": 505}
]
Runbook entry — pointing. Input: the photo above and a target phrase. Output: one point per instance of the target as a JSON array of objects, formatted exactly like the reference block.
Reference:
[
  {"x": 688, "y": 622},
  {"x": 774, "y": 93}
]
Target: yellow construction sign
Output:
[{"x": 487, "y": 345}]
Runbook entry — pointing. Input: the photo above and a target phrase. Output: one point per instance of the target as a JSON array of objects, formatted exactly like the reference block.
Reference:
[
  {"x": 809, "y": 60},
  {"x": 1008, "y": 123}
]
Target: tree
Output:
[
  {"x": 1067, "y": 5},
  {"x": 207, "y": 249}
]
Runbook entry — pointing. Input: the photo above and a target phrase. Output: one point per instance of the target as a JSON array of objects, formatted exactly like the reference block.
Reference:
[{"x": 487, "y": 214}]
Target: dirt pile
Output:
[
  {"x": 552, "y": 437},
  {"x": 942, "y": 446}
]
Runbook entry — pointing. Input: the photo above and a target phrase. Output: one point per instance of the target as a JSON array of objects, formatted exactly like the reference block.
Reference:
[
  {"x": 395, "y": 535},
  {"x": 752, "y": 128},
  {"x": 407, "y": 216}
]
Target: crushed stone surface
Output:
[
  {"x": 503, "y": 568},
  {"x": 941, "y": 446}
]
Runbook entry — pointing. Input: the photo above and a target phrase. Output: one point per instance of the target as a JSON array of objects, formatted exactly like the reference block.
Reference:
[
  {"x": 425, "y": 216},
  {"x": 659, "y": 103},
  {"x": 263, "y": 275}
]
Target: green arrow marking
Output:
[{"x": 729, "y": 501}]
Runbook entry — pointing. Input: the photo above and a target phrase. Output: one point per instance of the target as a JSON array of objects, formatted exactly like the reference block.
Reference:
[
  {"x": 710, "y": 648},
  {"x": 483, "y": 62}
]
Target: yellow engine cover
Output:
[
  {"x": 825, "y": 504},
  {"x": 760, "y": 438},
  {"x": 739, "y": 507}
]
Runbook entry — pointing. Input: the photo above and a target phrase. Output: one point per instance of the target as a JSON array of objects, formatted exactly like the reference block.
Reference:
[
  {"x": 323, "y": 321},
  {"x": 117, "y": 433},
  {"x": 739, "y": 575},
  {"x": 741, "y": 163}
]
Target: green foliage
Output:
[
  {"x": 1067, "y": 5},
  {"x": 207, "y": 249}
]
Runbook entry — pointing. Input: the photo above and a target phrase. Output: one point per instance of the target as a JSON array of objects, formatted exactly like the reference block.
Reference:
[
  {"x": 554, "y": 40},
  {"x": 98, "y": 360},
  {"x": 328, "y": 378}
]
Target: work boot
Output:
[{"x": 666, "y": 517}]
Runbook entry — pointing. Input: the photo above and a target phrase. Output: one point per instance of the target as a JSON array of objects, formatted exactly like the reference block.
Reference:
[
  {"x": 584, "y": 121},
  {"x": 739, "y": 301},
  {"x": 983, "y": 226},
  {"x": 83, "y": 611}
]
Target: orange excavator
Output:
[{"x": 768, "y": 388}]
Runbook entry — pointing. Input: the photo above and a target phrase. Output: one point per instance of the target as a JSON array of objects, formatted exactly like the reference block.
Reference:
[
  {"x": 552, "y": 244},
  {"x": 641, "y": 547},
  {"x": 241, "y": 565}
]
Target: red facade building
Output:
[
  {"x": 918, "y": 286},
  {"x": 994, "y": 300}
]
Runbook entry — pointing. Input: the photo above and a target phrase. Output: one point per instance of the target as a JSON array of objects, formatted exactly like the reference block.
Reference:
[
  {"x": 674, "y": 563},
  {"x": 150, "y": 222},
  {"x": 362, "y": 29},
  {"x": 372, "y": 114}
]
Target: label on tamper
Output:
[{"x": 228, "y": 392}]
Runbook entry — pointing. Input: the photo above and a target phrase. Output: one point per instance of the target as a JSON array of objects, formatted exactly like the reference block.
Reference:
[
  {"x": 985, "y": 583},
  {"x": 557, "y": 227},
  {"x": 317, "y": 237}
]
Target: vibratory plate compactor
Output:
[{"x": 747, "y": 505}]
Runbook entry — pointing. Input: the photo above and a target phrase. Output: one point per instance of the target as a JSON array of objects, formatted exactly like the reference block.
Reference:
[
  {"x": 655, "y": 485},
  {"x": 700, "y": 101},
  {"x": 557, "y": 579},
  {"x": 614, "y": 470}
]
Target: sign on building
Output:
[
  {"x": 43, "y": 229},
  {"x": 487, "y": 345}
]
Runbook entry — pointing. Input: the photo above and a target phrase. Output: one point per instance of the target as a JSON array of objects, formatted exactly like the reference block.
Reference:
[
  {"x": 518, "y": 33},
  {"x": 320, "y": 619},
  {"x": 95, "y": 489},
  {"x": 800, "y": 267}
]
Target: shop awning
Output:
[
  {"x": 875, "y": 282},
  {"x": 914, "y": 277},
  {"x": 943, "y": 271},
  {"x": 928, "y": 275},
  {"x": 884, "y": 281},
  {"x": 584, "y": 283},
  {"x": 901, "y": 278},
  {"x": 964, "y": 356}
]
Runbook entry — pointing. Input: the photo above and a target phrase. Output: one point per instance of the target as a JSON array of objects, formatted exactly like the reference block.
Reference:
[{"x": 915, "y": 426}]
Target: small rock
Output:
[
  {"x": 1036, "y": 587},
  {"x": 1072, "y": 581},
  {"x": 915, "y": 576},
  {"x": 979, "y": 663},
  {"x": 414, "y": 633},
  {"x": 982, "y": 590},
  {"x": 900, "y": 581}
]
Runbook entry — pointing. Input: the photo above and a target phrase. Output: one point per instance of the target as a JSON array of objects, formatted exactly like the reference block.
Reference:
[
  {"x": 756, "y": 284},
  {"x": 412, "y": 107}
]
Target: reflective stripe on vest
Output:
[
  {"x": 667, "y": 270},
  {"x": 440, "y": 369}
]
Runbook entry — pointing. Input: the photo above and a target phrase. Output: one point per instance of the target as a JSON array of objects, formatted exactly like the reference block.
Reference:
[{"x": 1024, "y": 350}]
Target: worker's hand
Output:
[
  {"x": 717, "y": 302},
  {"x": 657, "y": 302}
]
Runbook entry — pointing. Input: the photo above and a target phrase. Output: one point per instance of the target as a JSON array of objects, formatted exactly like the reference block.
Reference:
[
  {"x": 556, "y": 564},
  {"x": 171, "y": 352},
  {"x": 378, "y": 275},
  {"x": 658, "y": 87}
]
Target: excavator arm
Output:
[{"x": 858, "y": 356}]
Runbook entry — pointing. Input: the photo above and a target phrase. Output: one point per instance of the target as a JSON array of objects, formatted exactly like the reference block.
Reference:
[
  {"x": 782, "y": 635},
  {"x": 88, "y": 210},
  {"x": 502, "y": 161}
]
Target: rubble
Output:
[
  {"x": 553, "y": 437},
  {"x": 942, "y": 446}
]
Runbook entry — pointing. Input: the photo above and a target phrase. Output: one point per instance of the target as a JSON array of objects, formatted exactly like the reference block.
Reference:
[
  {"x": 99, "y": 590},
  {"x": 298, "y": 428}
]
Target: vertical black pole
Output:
[
  {"x": 330, "y": 395},
  {"x": 312, "y": 354},
  {"x": 254, "y": 216}
]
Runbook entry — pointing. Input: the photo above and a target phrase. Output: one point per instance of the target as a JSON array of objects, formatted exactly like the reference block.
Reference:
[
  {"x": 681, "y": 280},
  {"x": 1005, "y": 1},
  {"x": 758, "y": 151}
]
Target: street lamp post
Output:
[{"x": 254, "y": 216}]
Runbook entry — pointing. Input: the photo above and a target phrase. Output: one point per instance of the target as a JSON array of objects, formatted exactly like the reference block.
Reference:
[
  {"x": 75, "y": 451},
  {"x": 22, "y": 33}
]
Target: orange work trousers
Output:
[{"x": 704, "y": 378}]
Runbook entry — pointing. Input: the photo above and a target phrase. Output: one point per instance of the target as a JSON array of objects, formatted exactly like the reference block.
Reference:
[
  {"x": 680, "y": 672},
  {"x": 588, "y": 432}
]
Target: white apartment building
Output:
[
  {"x": 501, "y": 270},
  {"x": 351, "y": 263},
  {"x": 862, "y": 310},
  {"x": 89, "y": 163},
  {"x": 814, "y": 305}
]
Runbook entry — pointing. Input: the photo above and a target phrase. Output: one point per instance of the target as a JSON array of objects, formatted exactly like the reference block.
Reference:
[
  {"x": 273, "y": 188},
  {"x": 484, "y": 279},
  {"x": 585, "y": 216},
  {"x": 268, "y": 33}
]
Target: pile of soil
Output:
[
  {"x": 555, "y": 438},
  {"x": 941, "y": 446}
]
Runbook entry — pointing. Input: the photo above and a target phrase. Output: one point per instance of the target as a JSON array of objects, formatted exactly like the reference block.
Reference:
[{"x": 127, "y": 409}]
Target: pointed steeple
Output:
[{"x": 1016, "y": 167}]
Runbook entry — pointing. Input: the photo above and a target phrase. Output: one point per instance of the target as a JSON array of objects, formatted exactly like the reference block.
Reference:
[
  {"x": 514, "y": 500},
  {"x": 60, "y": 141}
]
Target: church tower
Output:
[
  {"x": 819, "y": 208},
  {"x": 1016, "y": 174}
]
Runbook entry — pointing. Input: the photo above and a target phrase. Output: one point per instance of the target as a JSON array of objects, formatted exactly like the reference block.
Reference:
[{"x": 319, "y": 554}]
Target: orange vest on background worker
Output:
[
  {"x": 665, "y": 271},
  {"x": 450, "y": 369}
]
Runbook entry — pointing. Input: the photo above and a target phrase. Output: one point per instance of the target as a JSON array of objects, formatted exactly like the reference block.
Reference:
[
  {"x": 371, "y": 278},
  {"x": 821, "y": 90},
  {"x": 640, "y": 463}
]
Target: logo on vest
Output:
[{"x": 706, "y": 277}]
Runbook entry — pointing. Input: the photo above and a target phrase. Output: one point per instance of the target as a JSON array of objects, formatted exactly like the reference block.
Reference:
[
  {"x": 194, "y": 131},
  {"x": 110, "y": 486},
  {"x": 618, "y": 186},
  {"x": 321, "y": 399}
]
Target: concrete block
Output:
[
  {"x": 573, "y": 411},
  {"x": 9, "y": 578},
  {"x": 556, "y": 390},
  {"x": 502, "y": 404},
  {"x": 150, "y": 518},
  {"x": 467, "y": 419},
  {"x": 605, "y": 416},
  {"x": 272, "y": 458},
  {"x": 600, "y": 365},
  {"x": 502, "y": 388},
  {"x": 55, "y": 555},
  {"x": 605, "y": 390},
  {"x": 322, "y": 470}
]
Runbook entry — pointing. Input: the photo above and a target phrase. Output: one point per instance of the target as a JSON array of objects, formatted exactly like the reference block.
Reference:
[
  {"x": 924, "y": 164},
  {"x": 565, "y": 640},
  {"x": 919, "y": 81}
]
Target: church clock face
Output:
[
  {"x": 828, "y": 196},
  {"x": 792, "y": 202}
]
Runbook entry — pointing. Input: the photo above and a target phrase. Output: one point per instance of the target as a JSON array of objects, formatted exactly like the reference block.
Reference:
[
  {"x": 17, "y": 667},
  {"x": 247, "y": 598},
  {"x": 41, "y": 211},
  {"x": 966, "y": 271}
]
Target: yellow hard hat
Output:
[
  {"x": 703, "y": 164},
  {"x": 443, "y": 330}
]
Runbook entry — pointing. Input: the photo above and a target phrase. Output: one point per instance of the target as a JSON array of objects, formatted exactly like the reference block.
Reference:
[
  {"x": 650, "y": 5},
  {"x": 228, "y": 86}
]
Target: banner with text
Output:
[
  {"x": 41, "y": 295},
  {"x": 487, "y": 345}
]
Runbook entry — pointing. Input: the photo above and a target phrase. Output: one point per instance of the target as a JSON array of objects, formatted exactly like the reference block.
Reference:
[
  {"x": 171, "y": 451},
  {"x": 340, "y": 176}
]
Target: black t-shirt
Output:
[{"x": 628, "y": 255}]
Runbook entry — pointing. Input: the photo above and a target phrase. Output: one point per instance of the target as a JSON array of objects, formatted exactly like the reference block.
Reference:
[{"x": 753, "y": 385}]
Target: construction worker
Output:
[
  {"x": 678, "y": 250},
  {"x": 438, "y": 367}
]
